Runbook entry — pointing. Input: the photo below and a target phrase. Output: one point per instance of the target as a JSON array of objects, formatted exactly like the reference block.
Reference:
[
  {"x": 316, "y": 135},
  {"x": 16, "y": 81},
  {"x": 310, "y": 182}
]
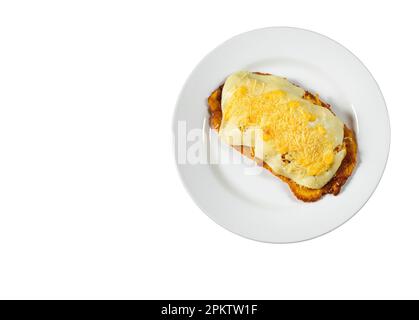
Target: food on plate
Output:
[{"x": 287, "y": 130}]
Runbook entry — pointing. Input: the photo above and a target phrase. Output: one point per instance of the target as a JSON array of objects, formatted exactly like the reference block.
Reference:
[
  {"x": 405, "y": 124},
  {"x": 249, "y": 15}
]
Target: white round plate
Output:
[{"x": 260, "y": 206}]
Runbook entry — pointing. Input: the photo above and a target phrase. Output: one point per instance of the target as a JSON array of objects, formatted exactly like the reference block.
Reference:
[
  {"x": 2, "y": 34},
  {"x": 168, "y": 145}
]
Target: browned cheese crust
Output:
[{"x": 303, "y": 193}]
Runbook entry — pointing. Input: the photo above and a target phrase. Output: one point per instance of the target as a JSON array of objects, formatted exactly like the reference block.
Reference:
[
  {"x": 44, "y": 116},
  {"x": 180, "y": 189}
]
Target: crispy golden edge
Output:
[{"x": 303, "y": 193}]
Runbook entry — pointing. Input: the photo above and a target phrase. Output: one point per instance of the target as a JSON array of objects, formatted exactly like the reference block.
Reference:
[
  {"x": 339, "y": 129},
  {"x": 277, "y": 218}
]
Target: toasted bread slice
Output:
[{"x": 303, "y": 193}]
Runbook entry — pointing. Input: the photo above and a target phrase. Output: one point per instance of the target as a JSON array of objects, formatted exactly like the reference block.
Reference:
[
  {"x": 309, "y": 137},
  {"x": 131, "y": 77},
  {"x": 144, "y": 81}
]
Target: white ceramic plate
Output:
[{"x": 261, "y": 207}]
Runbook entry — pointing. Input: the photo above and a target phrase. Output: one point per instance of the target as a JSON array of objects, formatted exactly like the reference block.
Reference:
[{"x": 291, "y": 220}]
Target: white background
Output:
[{"x": 91, "y": 205}]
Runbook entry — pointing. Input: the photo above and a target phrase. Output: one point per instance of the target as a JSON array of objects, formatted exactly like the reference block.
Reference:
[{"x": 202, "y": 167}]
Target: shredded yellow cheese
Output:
[{"x": 287, "y": 122}]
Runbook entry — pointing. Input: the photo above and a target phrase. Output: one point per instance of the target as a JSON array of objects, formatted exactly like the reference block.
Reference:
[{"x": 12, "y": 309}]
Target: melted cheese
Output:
[{"x": 295, "y": 137}]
